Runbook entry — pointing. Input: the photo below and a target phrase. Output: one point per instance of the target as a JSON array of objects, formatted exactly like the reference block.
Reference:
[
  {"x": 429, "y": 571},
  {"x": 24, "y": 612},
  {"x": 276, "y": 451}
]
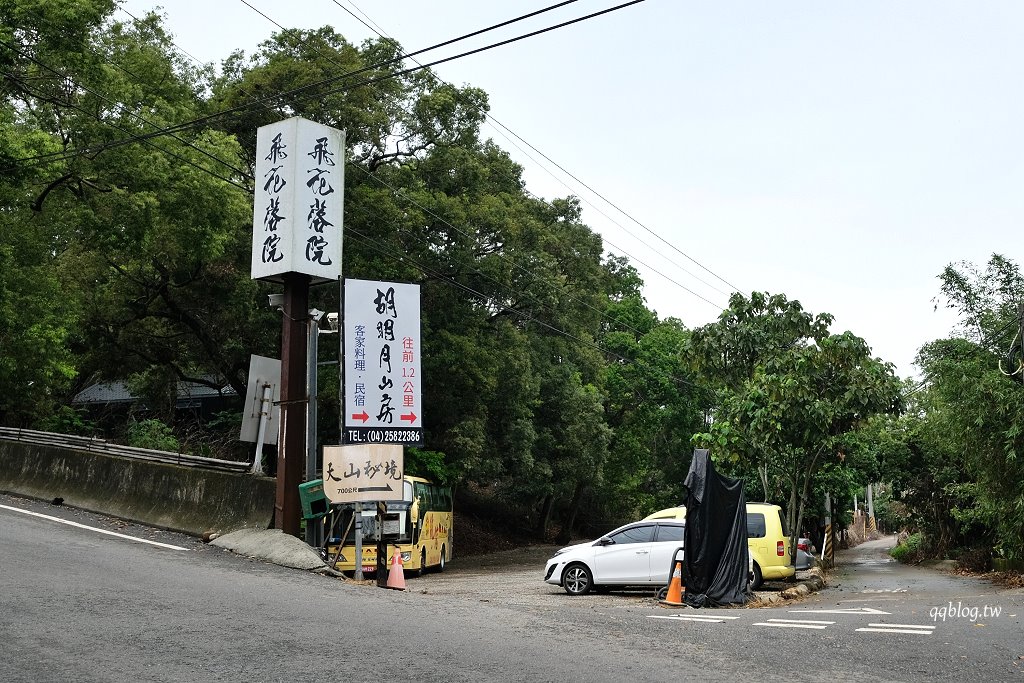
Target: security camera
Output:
[
  {"x": 332, "y": 320},
  {"x": 276, "y": 301}
]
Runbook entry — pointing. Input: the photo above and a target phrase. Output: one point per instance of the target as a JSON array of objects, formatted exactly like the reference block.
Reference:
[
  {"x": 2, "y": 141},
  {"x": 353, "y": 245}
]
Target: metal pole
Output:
[
  {"x": 358, "y": 571},
  {"x": 265, "y": 408},
  {"x": 382, "y": 549},
  {"x": 292, "y": 442},
  {"x": 359, "y": 541},
  {"x": 312, "y": 525}
]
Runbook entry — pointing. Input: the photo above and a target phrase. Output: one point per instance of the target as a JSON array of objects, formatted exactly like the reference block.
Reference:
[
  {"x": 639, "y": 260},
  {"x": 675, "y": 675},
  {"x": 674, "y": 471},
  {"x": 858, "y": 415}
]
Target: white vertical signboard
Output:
[
  {"x": 297, "y": 208},
  {"x": 382, "y": 363}
]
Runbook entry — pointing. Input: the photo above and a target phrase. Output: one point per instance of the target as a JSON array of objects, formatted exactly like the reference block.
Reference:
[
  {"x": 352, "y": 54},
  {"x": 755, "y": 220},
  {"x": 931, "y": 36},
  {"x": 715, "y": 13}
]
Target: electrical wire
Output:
[
  {"x": 308, "y": 86},
  {"x": 149, "y": 144},
  {"x": 370, "y": 173},
  {"x": 490, "y": 302},
  {"x": 420, "y": 206},
  {"x": 500, "y": 127},
  {"x": 398, "y": 194},
  {"x": 111, "y": 102}
]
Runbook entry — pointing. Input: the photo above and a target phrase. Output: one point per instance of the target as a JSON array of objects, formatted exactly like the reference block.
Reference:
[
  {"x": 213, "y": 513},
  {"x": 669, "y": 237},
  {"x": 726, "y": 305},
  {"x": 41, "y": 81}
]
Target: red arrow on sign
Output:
[
  {"x": 409, "y": 417},
  {"x": 360, "y": 416}
]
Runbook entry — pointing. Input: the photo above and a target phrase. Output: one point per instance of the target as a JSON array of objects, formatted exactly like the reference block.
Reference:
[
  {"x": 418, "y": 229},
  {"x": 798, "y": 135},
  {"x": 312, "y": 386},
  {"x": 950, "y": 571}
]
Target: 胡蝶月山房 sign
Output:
[
  {"x": 382, "y": 363},
  {"x": 298, "y": 204}
]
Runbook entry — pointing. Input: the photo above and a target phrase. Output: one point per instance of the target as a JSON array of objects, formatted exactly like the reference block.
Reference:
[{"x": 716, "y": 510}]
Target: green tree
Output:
[
  {"x": 975, "y": 400},
  {"x": 804, "y": 394}
]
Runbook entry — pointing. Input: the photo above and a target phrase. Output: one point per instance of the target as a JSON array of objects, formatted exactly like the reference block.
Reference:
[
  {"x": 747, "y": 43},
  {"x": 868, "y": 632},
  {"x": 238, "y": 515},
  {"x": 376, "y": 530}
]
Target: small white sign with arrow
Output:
[{"x": 371, "y": 472}]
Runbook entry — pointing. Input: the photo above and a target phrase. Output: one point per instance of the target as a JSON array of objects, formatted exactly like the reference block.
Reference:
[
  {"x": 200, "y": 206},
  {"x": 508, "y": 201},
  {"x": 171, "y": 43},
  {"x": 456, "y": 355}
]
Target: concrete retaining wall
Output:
[{"x": 184, "y": 499}]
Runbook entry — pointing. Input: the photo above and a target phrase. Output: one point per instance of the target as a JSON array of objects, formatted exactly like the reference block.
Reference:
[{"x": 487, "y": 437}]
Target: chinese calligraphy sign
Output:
[
  {"x": 297, "y": 207},
  {"x": 363, "y": 473}
]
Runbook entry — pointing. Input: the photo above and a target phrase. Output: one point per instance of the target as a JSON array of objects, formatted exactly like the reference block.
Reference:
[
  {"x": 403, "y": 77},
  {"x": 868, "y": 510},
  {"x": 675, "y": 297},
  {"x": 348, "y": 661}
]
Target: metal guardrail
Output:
[{"x": 95, "y": 445}]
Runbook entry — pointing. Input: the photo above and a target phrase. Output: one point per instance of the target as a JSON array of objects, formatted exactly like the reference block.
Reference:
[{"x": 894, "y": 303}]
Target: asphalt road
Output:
[{"x": 79, "y": 605}]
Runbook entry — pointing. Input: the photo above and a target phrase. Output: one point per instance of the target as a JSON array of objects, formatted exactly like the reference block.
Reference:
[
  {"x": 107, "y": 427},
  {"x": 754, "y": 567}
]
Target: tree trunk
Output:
[
  {"x": 763, "y": 474},
  {"x": 545, "y": 516},
  {"x": 565, "y": 535}
]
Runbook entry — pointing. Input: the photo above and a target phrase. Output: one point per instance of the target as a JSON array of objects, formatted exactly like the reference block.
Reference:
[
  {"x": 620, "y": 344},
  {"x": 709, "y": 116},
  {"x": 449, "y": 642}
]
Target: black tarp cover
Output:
[{"x": 716, "y": 536}]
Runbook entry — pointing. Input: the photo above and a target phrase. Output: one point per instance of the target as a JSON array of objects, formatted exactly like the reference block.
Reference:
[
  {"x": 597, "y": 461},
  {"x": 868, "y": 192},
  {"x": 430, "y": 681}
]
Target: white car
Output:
[{"x": 637, "y": 554}]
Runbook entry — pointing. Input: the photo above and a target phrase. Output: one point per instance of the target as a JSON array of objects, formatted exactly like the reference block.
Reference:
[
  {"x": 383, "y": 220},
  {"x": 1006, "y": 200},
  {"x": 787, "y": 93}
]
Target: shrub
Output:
[
  {"x": 67, "y": 420},
  {"x": 152, "y": 434},
  {"x": 977, "y": 559},
  {"x": 911, "y": 550}
]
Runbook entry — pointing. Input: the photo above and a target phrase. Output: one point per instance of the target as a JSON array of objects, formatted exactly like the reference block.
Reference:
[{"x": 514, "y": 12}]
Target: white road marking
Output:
[
  {"x": 915, "y": 629},
  {"x": 680, "y": 617},
  {"x": 92, "y": 528},
  {"x": 884, "y": 590},
  {"x": 852, "y": 610},
  {"x": 795, "y": 623}
]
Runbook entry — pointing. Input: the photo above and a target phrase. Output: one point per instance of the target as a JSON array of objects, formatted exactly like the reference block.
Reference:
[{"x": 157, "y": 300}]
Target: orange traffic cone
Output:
[
  {"x": 396, "y": 575},
  {"x": 674, "y": 598}
]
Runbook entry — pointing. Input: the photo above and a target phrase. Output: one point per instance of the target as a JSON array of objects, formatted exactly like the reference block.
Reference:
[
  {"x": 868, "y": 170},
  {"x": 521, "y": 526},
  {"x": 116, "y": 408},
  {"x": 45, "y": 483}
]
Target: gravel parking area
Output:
[{"x": 516, "y": 577}]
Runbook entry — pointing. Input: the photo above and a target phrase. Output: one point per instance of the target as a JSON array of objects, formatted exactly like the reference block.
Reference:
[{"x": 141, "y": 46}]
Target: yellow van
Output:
[{"x": 767, "y": 539}]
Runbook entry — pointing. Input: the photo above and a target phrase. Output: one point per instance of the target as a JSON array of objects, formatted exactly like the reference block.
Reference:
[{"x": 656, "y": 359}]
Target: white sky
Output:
[{"x": 839, "y": 153}]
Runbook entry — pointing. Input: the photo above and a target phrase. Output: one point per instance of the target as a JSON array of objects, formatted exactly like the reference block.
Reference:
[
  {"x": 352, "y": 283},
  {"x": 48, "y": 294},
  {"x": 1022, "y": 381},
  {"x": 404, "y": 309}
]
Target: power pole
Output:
[{"x": 291, "y": 452}]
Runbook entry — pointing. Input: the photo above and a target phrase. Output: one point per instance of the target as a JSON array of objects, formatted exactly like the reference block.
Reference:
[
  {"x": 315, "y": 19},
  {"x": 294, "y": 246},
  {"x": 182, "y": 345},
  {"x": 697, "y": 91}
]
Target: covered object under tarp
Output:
[{"x": 715, "y": 538}]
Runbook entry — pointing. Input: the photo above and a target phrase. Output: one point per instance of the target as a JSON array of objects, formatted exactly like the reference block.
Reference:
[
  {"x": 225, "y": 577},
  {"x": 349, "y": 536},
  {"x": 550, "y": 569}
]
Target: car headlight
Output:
[
  {"x": 406, "y": 556},
  {"x": 559, "y": 552}
]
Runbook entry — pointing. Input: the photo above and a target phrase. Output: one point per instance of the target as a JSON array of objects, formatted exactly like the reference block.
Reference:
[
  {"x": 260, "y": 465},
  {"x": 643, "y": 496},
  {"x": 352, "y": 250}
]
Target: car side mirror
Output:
[{"x": 606, "y": 541}]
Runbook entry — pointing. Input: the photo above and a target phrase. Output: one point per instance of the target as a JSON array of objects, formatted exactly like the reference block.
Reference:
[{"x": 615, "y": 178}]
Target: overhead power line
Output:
[
  {"x": 501, "y": 126},
  {"x": 397, "y": 193},
  {"x": 297, "y": 91}
]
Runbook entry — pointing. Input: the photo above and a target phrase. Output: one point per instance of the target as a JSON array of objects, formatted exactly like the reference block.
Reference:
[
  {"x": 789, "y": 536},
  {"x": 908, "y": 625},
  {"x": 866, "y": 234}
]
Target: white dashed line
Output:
[
  {"x": 681, "y": 617},
  {"x": 795, "y": 623},
  {"x": 916, "y": 629}
]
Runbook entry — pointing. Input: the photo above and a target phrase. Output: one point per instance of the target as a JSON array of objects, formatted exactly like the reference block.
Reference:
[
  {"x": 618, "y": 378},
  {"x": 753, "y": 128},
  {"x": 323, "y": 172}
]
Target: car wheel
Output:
[
  {"x": 577, "y": 579},
  {"x": 757, "y": 581},
  {"x": 662, "y": 593},
  {"x": 440, "y": 567}
]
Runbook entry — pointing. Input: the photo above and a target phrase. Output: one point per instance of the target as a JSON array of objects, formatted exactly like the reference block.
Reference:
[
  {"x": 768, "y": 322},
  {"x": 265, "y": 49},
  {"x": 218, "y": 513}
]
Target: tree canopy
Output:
[{"x": 125, "y": 219}]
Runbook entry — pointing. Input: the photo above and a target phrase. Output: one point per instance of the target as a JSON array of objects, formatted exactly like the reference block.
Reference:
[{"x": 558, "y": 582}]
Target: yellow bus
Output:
[{"x": 419, "y": 526}]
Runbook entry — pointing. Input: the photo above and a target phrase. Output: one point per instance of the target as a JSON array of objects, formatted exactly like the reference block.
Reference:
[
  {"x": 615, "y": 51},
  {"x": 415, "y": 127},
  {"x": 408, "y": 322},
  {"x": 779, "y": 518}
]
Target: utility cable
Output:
[
  {"x": 398, "y": 193},
  {"x": 300, "y": 89},
  {"x": 403, "y": 196},
  {"x": 111, "y": 102},
  {"x": 381, "y": 33},
  {"x": 148, "y": 143},
  {"x": 488, "y": 301}
]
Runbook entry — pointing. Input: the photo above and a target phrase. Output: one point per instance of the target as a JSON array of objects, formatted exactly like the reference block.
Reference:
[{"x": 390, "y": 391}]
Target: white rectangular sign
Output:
[
  {"x": 359, "y": 474},
  {"x": 297, "y": 206},
  {"x": 382, "y": 363},
  {"x": 262, "y": 372}
]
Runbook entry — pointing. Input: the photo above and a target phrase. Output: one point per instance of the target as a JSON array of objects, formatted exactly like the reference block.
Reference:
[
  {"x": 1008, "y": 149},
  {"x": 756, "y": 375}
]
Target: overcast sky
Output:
[{"x": 839, "y": 153}]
